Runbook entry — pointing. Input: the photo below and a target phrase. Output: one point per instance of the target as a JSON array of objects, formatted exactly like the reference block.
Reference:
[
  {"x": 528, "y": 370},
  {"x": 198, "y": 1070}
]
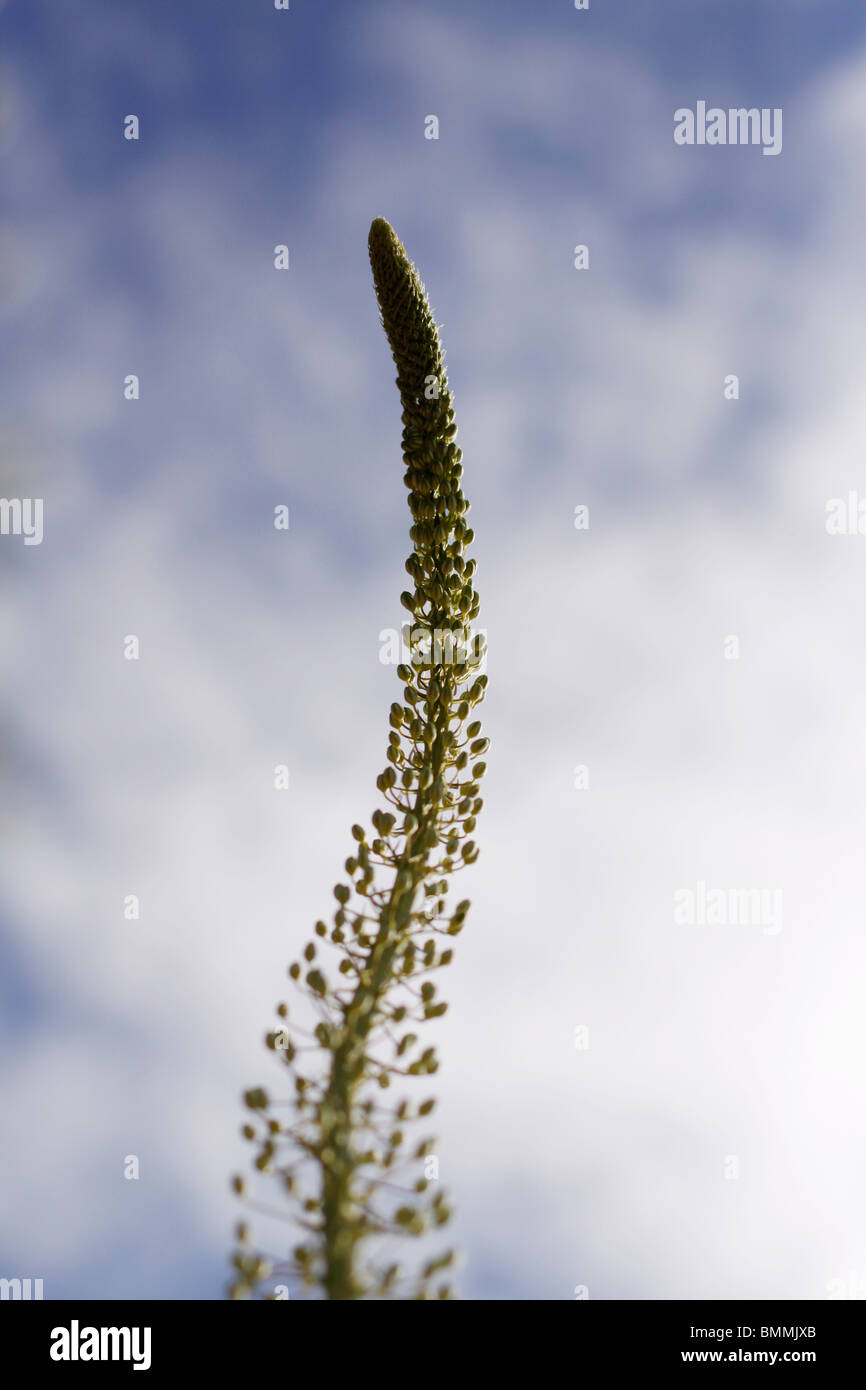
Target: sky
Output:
[{"x": 709, "y": 1141}]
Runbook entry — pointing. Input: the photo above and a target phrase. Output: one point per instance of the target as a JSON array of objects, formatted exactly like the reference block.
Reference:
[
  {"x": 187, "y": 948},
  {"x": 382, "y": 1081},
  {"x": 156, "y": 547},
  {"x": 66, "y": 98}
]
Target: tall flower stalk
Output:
[{"x": 353, "y": 1178}]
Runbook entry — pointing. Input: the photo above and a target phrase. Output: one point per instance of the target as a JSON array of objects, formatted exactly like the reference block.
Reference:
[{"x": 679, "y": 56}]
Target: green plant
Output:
[{"x": 345, "y": 1155}]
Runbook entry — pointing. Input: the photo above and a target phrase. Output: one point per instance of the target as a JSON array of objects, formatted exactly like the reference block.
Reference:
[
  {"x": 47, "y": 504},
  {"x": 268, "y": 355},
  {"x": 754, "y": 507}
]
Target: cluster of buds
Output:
[{"x": 344, "y": 1155}]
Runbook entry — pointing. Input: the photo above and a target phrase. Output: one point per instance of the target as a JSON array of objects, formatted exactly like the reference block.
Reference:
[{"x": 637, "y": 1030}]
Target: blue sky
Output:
[{"x": 603, "y": 388}]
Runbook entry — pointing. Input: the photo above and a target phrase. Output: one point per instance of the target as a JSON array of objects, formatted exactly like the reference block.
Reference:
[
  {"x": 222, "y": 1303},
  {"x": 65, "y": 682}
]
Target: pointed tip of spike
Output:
[
  {"x": 380, "y": 231},
  {"x": 388, "y": 257},
  {"x": 384, "y": 244}
]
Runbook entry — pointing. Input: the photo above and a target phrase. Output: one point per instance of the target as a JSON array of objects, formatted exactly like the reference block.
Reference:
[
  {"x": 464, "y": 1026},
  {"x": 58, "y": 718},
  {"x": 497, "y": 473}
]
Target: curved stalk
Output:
[{"x": 338, "y": 1157}]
